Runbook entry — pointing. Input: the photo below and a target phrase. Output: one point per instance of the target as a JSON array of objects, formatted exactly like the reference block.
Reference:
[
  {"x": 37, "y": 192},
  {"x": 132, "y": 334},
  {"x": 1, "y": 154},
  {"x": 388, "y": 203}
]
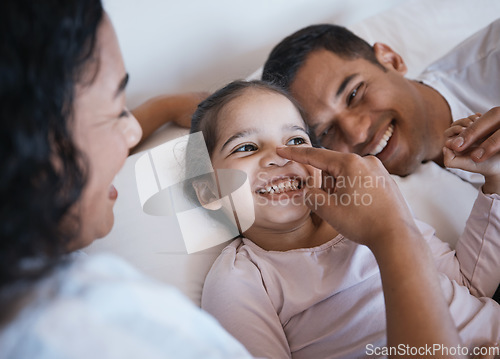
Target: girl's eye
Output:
[
  {"x": 296, "y": 141},
  {"x": 246, "y": 148},
  {"x": 353, "y": 94}
]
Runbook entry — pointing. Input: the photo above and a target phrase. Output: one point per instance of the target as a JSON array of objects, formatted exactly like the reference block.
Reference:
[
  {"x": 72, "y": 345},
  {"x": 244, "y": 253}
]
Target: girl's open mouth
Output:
[{"x": 281, "y": 185}]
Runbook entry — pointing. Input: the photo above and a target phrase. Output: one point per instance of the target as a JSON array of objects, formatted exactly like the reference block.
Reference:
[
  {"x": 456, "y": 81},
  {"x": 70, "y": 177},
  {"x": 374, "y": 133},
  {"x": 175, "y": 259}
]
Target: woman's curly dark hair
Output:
[{"x": 44, "y": 48}]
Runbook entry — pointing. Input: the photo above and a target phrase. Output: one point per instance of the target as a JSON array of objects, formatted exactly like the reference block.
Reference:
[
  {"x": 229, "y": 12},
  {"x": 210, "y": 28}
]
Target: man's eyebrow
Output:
[
  {"x": 122, "y": 85},
  {"x": 240, "y": 134},
  {"x": 344, "y": 84}
]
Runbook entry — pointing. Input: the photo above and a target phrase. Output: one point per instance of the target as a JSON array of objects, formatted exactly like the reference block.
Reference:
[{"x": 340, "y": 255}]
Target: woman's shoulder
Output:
[{"x": 102, "y": 302}]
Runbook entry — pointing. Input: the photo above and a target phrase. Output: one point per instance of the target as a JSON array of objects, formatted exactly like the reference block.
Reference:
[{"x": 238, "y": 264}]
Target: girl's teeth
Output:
[{"x": 281, "y": 187}]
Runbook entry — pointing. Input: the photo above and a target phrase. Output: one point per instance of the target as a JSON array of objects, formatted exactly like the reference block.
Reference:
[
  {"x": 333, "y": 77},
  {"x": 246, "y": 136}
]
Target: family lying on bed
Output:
[
  {"x": 67, "y": 132},
  {"x": 292, "y": 285}
]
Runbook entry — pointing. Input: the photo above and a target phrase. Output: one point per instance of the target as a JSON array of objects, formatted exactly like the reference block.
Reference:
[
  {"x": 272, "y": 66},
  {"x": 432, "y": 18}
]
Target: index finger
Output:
[{"x": 317, "y": 157}]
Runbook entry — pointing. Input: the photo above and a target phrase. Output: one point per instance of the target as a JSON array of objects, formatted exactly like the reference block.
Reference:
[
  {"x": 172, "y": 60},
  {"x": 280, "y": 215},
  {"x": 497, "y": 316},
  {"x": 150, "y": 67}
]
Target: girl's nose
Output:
[{"x": 271, "y": 158}]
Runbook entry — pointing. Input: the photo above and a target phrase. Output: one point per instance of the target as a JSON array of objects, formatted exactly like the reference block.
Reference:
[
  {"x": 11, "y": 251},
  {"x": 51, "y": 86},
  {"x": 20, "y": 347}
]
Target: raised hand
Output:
[{"x": 358, "y": 196}]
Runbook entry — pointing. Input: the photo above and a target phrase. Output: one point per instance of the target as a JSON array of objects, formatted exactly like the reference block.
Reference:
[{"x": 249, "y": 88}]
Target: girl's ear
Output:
[{"x": 207, "y": 195}]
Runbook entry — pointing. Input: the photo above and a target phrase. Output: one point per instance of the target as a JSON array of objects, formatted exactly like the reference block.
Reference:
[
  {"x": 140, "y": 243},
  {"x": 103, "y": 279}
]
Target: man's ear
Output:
[
  {"x": 207, "y": 195},
  {"x": 389, "y": 58}
]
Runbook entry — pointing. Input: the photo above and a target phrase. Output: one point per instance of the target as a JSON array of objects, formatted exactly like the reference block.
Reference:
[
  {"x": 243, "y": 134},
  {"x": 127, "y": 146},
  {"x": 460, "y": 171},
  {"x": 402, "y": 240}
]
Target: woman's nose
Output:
[{"x": 131, "y": 129}]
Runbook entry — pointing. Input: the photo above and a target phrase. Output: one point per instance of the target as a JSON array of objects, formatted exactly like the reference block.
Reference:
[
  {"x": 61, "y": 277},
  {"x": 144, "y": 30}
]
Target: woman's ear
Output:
[
  {"x": 389, "y": 58},
  {"x": 207, "y": 195}
]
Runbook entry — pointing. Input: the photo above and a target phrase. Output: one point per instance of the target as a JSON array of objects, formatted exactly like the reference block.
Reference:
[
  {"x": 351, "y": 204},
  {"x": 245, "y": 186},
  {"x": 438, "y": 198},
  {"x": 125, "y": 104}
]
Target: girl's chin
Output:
[{"x": 281, "y": 219}]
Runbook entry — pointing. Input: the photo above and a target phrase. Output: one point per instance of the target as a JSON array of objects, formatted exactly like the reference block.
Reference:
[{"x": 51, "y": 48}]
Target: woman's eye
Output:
[
  {"x": 124, "y": 113},
  {"x": 296, "y": 141},
  {"x": 246, "y": 148}
]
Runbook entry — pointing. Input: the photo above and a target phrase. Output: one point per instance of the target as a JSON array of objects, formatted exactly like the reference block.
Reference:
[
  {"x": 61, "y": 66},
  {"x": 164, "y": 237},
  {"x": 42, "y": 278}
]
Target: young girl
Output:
[{"x": 291, "y": 285}]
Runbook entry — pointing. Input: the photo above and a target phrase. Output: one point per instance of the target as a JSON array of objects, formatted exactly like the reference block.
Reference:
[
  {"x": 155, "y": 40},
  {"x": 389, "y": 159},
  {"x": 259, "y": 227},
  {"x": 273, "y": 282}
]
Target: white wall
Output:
[{"x": 174, "y": 46}]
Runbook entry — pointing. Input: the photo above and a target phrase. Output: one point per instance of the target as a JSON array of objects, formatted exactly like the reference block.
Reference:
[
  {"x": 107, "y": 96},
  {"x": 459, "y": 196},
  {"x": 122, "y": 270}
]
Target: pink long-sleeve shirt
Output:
[{"x": 327, "y": 301}]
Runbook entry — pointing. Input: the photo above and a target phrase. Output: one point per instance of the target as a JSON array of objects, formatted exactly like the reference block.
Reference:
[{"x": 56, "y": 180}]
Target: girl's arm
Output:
[
  {"x": 478, "y": 248},
  {"x": 235, "y": 295},
  {"x": 417, "y": 314}
]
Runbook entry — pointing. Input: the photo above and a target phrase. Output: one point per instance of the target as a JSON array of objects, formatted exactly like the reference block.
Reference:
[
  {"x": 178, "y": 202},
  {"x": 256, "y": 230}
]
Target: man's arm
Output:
[
  {"x": 416, "y": 312},
  {"x": 162, "y": 109}
]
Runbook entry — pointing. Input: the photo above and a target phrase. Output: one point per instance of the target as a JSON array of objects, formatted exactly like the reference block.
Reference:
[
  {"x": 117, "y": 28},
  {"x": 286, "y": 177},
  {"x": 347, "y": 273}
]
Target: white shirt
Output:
[
  {"x": 468, "y": 78},
  {"x": 100, "y": 307}
]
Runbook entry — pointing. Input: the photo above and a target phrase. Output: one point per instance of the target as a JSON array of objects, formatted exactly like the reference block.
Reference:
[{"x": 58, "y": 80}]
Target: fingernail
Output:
[
  {"x": 280, "y": 147},
  {"x": 458, "y": 142},
  {"x": 478, "y": 153}
]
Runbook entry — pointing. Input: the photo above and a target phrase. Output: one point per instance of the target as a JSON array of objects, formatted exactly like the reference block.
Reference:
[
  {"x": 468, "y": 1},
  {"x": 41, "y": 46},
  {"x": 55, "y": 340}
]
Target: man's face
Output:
[{"x": 357, "y": 106}]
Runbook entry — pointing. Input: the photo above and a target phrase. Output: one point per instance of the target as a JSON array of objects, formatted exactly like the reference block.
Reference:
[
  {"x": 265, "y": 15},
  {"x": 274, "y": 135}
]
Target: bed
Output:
[{"x": 421, "y": 31}]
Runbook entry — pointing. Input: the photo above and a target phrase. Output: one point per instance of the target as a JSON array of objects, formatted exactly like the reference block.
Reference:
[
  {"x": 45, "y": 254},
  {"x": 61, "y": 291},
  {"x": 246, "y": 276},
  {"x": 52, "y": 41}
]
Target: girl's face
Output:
[{"x": 250, "y": 128}]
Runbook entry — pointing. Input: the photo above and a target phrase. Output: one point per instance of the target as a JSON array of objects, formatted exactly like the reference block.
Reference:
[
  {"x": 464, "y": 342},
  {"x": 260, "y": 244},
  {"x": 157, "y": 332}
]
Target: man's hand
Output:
[
  {"x": 358, "y": 196},
  {"x": 416, "y": 312},
  {"x": 473, "y": 144}
]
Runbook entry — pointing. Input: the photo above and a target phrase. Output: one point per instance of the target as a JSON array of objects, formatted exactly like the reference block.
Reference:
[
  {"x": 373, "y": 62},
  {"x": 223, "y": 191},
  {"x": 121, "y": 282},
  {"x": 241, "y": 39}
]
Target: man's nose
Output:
[{"x": 354, "y": 128}]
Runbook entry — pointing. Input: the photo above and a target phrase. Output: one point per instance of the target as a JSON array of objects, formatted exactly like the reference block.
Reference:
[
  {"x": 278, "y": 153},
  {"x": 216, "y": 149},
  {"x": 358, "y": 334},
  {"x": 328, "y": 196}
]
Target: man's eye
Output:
[
  {"x": 353, "y": 94},
  {"x": 325, "y": 132},
  {"x": 296, "y": 141},
  {"x": 246, "y": 148}
]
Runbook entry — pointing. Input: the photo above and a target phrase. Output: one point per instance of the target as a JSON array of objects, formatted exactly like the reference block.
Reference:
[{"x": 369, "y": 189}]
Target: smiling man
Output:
[{"x": 357, "y": 98}]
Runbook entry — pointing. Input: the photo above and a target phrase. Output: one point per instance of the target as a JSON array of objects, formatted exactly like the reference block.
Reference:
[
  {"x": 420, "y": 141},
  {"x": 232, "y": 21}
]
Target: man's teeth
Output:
[
  {"x": 283, "y": 186},
  {"x": 383, "y": 142}
]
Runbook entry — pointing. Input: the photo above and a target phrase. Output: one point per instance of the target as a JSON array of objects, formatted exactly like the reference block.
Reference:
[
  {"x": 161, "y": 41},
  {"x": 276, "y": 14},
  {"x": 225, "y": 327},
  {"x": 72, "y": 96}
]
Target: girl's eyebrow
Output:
[
  {"x": 252, "y": 131},
  {"x": 295, "y": 128},
  {"x": 237, "y": 135}
]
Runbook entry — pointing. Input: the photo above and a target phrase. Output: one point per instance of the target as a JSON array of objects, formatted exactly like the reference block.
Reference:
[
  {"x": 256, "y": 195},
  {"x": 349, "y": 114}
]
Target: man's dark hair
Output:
[
  {"x": 290, "y": 54},
  {"x": 45, "y": 46}
]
